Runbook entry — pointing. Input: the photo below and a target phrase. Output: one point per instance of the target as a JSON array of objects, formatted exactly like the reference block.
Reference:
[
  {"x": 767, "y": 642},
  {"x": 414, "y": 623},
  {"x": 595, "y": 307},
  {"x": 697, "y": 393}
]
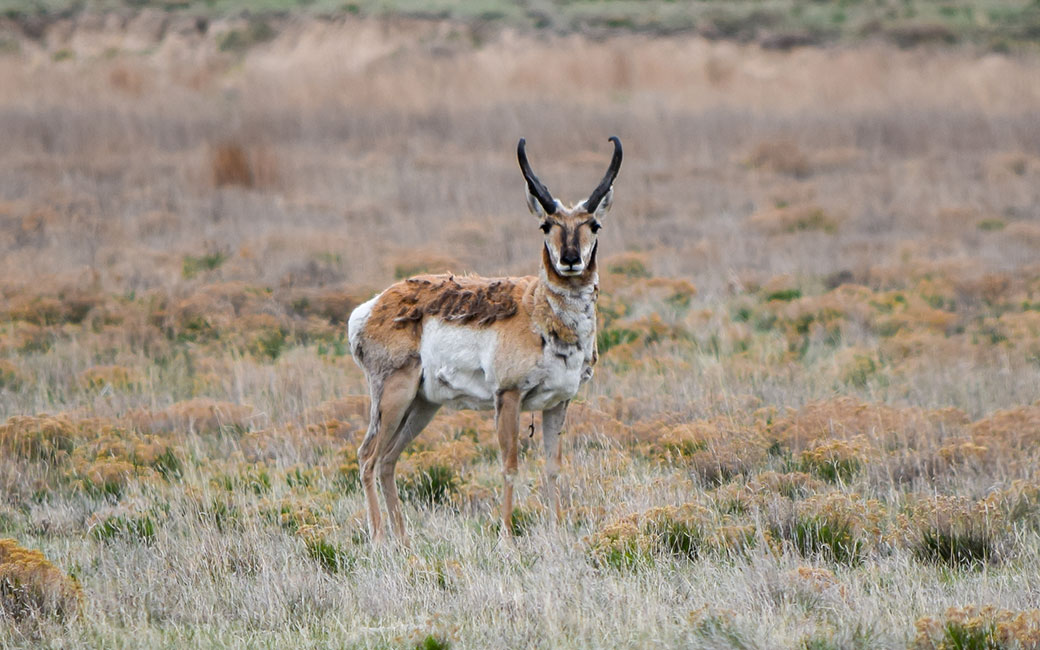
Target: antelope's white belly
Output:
[
  {"x": 458, "y": 365},
  {"x": 459, "y": 369}
]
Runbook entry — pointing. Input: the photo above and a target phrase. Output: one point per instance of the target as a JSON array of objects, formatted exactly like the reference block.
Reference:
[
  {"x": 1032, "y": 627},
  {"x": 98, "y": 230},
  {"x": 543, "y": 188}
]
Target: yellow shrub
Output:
[
  {"x": 41, "y": 437},
  {"x": 30, "y": 583},
  {"x": 683, "y": 531},
  {"x": 973, "y": 627},
  {"x": 619, "y": 545},
  {"x": 105, "y": 475},
  {"x": 836, "y": 460}
]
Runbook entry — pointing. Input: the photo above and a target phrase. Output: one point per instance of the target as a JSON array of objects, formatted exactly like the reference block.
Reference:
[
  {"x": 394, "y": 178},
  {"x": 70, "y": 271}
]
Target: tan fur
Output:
[
  {"x": 396, "y": 395},
  {"x": 518, "y": 306},
  {"x": 507, "y": 423},
  {"x": 460, "y": 300},
  {"x": 396, "y": 321}
]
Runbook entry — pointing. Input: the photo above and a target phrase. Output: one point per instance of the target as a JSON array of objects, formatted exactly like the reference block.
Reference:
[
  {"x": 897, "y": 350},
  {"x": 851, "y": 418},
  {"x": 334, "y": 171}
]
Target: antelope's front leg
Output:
[
  {"x": 507, "y": 420},
  {"x": 552, "y": 425}
]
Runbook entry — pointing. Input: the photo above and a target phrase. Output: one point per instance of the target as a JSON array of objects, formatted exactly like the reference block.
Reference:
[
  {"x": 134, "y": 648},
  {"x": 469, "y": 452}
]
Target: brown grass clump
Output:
[
  {"x": 811, "y": 584},
  {"x": 96, "y": 455},
  {"x": 845, "y": 418},
  {"x": 974, "y": 627},
  {"x": 684, "y": 531},
  {"x": 41, "y": 437},
  {"x": 629, "y": 264},
  {"x": 793, "y": 485},
  {"x": 107, "y": 458},
  {"x": 231, "y": 166},
  {"x": 836, "y": 461},
  {"x": 200, "y": 414},
  {"x": 621, "y": 544},
  {"x": 780, "y": 156},
  {"x": 956, "y": 531},
  {"x": 678, "y": 530},
  {"x": 65, "y": 305},
  {"x": 106, "y": 476},
  {"x": 794, "y": 218},
  {"x": 342, "y": 417},
  {"x": 837, "y": 527},
  {"x": 1018, "y": 428},
  {"x": 716, "y": 450},
  {"x": 11, "y": 377},
  {"x": 296, "y": 513},
  {"x": 31, "y": 585},
  {"x": 101, "y": 377}
]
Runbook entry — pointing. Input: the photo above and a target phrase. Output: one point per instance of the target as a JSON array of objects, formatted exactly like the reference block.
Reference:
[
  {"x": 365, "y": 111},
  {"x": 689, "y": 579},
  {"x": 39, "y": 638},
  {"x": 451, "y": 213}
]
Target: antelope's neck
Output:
[{"x": 566, "y": 306}]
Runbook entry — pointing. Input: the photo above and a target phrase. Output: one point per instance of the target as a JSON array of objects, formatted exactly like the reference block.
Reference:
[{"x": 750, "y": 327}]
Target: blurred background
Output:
[
  {"x": 206, "y": 161},
  {"x": 309, "y": 144}
]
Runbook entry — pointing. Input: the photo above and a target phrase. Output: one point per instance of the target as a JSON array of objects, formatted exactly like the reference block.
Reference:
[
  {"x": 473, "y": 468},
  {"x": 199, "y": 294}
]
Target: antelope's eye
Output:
[
  {"x": 595, "y": 226},
  {"x": 546, "y": 227}
]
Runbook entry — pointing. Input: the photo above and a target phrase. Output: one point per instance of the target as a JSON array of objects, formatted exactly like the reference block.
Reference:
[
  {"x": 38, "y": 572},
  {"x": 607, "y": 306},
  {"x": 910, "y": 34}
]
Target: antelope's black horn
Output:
[
  {"x": 601, "y": 190},
  {"x": 539, "y": 191}
]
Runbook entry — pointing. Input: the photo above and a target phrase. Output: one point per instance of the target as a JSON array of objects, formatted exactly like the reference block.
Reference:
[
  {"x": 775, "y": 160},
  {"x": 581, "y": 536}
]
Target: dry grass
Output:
[{"x": 814, "y": 424}]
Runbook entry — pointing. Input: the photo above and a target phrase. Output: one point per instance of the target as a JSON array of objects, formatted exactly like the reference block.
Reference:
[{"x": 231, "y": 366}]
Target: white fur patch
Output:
[
  {"x": 458, "y": 365},
  {"x": 356, "y": 323}
]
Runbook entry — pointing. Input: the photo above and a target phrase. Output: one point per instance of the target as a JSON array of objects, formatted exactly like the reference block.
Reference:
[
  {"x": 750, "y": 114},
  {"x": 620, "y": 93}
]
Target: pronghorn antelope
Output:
[{"x": 508, "y": 344}]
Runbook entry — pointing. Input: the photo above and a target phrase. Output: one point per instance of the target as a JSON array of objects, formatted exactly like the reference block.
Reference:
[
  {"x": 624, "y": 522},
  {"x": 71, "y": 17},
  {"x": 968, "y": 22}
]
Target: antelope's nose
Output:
[{"x": 570, "y": 258}]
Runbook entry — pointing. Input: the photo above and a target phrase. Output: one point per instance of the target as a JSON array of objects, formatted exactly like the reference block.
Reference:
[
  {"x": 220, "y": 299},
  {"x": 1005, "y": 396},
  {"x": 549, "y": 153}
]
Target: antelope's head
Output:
[{"x": 570, "y": 232}]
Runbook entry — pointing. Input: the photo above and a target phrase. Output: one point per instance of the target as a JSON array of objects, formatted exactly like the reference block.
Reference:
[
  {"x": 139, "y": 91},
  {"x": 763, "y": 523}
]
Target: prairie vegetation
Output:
[{"x": 815, "y": 419}]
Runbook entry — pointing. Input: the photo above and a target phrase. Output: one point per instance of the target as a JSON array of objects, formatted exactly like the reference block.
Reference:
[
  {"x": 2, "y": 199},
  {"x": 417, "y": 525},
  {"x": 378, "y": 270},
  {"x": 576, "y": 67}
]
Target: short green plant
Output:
[
  {"x": 966, "y": 549},
  {"x": 433, "y": 485},
  {"x": 608, "y": 338},
  {"x": 991, "y": 225},
  {"x": 332, "y": 557},
  {"x": 270, "y": 343},
  {"x": 193, "y": 265},
  {"x": 831, "y": 538},
  {"x": 431, "y": 642},
  {"x": 958, "y": 636},
  {"x": 139, "y": 528},
  {"x": 784, "y": 295}
]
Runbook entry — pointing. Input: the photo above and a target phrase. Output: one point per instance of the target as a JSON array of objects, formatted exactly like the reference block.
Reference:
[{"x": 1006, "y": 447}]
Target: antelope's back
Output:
[{"x": 390, "y": 325}]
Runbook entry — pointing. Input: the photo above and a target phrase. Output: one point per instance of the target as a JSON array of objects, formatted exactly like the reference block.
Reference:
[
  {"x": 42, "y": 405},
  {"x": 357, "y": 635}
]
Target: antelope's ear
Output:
[
  {"x": 603, "y": 208},
  {"x": 599, "y": 201},
  {"x": 539, "y": 200},
  {"x": 534, "y": 206}
]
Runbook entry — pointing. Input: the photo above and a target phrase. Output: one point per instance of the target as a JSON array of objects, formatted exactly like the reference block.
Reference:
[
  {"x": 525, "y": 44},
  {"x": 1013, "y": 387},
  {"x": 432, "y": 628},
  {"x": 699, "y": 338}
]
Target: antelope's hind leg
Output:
[
  {"x": 419, "y": 414},
  {"x": 391, "y": 399}
]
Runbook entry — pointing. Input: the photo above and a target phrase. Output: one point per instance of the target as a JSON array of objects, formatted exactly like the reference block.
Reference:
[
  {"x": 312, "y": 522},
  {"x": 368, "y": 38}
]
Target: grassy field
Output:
[
  {"x": 815, "y": 419},
  {"x": 998, "y": 25}
]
